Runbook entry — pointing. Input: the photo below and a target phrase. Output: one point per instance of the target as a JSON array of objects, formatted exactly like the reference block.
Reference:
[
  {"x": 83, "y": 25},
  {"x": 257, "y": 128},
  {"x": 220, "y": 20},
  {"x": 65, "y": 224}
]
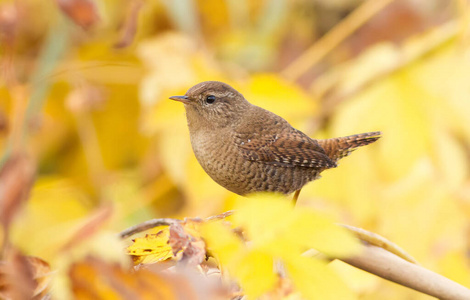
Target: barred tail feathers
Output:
[{"x": 337, "y": 148}]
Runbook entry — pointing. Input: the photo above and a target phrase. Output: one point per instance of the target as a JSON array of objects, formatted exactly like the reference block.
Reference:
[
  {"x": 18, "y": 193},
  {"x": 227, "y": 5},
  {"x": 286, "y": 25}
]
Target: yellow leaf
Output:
[
  {"x": 252, "y": 268},
  {"x": 399, "y": 100},
  {"x": 262, "y": 216},
  {"x": 312, "y": 230},
  {"x": 221, "y": 242},
  {"x": 449, "y": 94},
  {"x": 151, "y": 248},
  {"x": 272, "y": 92},
  {"x": 352, "y": 187},
  {"x": 169, "y": 58},
  {"x": 255, "y": 272},
  {"x": 451, "y": 159},
  {"x": 272, "y": 223},
  {"x": 316, "y": 281},
  {"x": 54, "y": 210}
]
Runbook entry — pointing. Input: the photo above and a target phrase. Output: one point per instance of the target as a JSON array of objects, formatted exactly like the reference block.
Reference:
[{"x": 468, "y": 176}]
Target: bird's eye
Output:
[{"x": 210, "y": 99}]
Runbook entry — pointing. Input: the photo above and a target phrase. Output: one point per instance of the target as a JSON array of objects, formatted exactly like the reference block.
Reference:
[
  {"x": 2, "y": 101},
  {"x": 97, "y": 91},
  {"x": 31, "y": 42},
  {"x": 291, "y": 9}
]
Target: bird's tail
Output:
[{"x": 337, "y": 148}]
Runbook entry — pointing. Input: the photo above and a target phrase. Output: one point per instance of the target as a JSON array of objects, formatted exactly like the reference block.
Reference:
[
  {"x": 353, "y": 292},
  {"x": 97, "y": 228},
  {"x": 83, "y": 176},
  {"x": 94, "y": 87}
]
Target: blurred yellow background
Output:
[{"x": 84, "y": 92}]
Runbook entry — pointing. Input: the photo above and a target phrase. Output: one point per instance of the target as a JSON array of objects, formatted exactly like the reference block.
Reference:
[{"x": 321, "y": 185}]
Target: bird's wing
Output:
[{"x": 290, "y": 148}]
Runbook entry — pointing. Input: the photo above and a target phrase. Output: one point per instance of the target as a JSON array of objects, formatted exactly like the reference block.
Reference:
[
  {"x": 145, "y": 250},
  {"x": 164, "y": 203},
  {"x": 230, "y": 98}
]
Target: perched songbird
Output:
[{"x": 247, "y": 149}]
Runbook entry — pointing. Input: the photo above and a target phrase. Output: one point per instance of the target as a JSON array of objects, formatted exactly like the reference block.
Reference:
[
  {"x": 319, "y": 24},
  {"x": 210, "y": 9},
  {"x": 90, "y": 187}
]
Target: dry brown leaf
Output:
[
  {"x": 23, "y": 277},
  {"x": 82, "y": 12},
  {"x": 41, "y": 274},
  {"x": 184, "y": 239},
  {"x": 16, "y": 179},
  {"x": 179, "y": 239}
]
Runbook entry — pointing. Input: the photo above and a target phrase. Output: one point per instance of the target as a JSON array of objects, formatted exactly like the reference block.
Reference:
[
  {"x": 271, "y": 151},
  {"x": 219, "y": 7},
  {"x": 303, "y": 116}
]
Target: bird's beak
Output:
[{"x": 183, "y": 99}]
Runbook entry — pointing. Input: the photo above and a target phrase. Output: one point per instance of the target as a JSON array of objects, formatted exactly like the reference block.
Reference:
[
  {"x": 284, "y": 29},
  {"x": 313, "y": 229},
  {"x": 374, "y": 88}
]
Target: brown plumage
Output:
[{"x": 246, "y": 149}]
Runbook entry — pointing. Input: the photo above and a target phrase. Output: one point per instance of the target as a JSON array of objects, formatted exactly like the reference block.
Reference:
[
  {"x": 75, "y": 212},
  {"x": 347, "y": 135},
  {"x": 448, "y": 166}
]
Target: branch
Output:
[{"x": 384, "y": 264}]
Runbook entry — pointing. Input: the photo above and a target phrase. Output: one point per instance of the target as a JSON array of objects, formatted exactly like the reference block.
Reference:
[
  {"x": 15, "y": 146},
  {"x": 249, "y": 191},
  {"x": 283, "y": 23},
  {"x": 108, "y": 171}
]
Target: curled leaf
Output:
[{"x": 23, "y": 277}]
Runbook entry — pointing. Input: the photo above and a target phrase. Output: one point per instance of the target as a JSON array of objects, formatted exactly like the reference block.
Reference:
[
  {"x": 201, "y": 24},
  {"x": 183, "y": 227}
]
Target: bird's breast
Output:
[
  {"x": 219, "y": 158},
  {"x": 214, "y": 151}
]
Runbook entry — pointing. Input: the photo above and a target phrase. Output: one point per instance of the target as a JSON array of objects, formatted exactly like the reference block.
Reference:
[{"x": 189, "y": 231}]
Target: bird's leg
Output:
[{"x": 296, "y": 196}]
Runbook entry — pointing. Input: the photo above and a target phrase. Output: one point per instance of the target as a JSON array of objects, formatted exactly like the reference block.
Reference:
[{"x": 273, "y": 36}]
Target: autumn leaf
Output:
[
  {"x": 255, "y": 270},
  {"x": 93, "y": 278},
  {"x": 278, "y": 233},
  {"x": 24, "y": 277},
  {"x": 221, "y": 242},
  {"x": 185, "y": 238},
  {"x": 280, "y": 227},
  {"x": 152, "y": 248},
  {"x": 180, "y": 241},
  {"x": 315, "y": 280}
]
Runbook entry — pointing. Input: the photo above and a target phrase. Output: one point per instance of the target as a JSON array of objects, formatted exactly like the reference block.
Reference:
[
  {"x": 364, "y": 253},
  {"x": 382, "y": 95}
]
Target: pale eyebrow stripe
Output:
[
  {"x": 199, "y": 87},
  {"x": 226, "y": 94}
]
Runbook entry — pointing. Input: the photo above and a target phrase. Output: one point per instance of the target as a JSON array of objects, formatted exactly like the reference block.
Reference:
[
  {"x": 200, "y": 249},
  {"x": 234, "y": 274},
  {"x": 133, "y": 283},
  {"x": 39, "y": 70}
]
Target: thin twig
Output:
[
  {"x": 221, "y": 216},
  {"x": 333, "y": 38},
  {"x": 379, "y": 241},
  {"x": 146, "y": 226},
  {"x": 165, "y": 221}
]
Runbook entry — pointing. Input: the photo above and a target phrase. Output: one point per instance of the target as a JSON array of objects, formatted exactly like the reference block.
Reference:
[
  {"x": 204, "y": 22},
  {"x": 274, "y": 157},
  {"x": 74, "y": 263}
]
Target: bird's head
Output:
[{"x": 213, "y": 104}]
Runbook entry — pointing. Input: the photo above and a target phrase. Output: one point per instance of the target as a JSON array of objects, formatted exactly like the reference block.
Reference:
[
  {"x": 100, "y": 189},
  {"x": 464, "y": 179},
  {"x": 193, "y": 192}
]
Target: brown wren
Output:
[{"x": 248, "y": 149}]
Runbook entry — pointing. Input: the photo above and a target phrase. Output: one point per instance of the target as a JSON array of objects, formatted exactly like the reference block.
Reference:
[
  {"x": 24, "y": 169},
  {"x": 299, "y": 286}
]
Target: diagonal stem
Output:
[{"x": 333, "y": 38}]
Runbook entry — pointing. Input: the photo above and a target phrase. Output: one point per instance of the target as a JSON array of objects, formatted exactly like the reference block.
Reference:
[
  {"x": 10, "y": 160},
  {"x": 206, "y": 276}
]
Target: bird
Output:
[{"x": 247, "y": 149}]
